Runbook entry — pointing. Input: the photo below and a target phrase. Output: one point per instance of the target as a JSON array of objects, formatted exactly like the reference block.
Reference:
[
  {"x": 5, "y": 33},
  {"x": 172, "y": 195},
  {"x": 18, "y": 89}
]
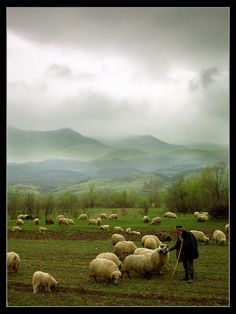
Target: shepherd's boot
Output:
[
  {"x": 186, "y": 277},
  {"x": 191, "y": 278}
]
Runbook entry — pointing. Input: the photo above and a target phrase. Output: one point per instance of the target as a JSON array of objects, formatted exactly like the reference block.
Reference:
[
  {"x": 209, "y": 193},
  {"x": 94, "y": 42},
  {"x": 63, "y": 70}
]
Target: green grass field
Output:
[{"x": 67, "y": 258}]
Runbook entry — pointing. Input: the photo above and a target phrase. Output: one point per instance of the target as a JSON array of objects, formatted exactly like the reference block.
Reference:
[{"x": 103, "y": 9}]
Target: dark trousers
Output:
[{"x": 188, "y": 268}]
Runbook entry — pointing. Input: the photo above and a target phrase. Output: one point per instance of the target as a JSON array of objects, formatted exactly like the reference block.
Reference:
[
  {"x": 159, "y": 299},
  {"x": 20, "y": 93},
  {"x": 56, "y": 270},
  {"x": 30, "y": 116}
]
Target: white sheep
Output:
[
  {"x": 22, "y": 216},
  {"x": 36, "y": 221},
  {"x": 170, "y": 215},
  {"x": 16, "y": 228},
  {"x": 63, "y": 221},
  {"x": 150, "y": 243},
  {"x": 155, "y": 220},
  {"x": 104, "y": 269},
  {"x": 83, "y": 217},
  {"x": 111, "y": 257},
  {"x": 202, "y": 217},
  {"x": 200, "y": 236},
  {"x": 13, "y": 262},
  {"x": 128, "y": 230},
  {"x": 19, "y": 221},
  {"x": 218, "y": 237},
  {"x": 146, "y": 263},
  {"x": 227, "y": 228},
  {"x": 116, "y": 237},
  {"x": 118, "y": 229},
  {"x": 150, "y": 236},
  {"x": 60, "y": 216},
  {"x": 146, "y": 219},
  {"x": 122, "y": 248},
  {"x": 43, "y": 280},
  {"x": 94, "y": 221},
  {"x": 71, "y": 221},
  {"x": 105, "y": 227},
  {"x": 42, "y": 229},
  {"x": 142, "y": 250},
  {"x": 113, "y": 216},
  {"x": 104, "y": 215},
  {"x": 136, "y": 232},
  {"x": 195, "y": 214}
]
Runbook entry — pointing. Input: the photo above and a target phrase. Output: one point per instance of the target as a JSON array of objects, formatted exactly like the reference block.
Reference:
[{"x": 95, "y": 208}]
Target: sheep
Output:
[
  {"x": 196, "y": 214},
  {"x": 105, "y": 227},
  {"x": 94, "y": 221},
  {"x": 113, "y": 216},
  {"x": 103, "y": 215},
  {"x": 13, "y": 262},
  {"x": 146, "y": 263},
  {"x": 200, "y": 236},
  {"x": 142, "y": 250},
  {"x": 71, "y": 221},
  {"x": 43, "y": 280},
  {"x": 111, "y": 257},
  {"x": 16, "y": 229},
  {"x": 19, "y": 221},
  {"x": 150, "y": 243},
  {"x": 227, "y": 228},
  {"x": 118, "y": 229},
  {"x": 83, "y": 217},
  {"x": 155, "y": 220},
  {"x": 36, "y": 221},
  {"x": 128, "y": 230},
  {"x": 116, "y": 237},
  {"x": 202, "y": 217},
  {"x": 49, "y": 221},
  {"x": 163, "y": 236},
  {"x": 150, "y": 236},
  {"x": 42, "y": 229},
  {"x": 21, "y": 216},
  {"x": 63, "y": 221},
  {"x": 146, "y": 219},
  {"x": 170, "y": 215},
  {"x": 136, "y": 232},
  {"x": 122, "y": 248},
  {"x": 219, "y": 237},
  {"x": 60, "y": 216},
  {"x": 104, "y": 269}
]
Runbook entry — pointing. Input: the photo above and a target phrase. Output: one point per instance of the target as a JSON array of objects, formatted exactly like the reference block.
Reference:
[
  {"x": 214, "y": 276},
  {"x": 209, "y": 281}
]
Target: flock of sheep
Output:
[{"x": 126, "y": 257}]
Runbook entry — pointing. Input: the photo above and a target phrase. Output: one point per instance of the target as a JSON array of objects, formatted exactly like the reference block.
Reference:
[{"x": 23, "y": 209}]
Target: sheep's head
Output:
[
  {"x": 115, "y": 276},
  {"x": 163, "y": 249},
  {"x": 207, "y": 240}
]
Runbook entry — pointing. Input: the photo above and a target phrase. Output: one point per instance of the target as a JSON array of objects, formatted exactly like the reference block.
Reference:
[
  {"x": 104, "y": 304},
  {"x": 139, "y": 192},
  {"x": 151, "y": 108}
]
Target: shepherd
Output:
[{"x": 186, "y": 251}]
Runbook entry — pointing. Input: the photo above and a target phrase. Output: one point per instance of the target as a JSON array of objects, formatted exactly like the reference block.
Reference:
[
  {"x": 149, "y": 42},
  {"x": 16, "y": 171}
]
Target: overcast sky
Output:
[{"x": 120, "y": 71}]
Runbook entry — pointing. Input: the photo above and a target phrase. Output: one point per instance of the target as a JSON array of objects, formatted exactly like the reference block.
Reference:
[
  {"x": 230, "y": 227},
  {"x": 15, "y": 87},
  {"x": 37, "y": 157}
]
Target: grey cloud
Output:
[
  {"x": 64, "y": 71},
  {"x": 205, "y": 78}
]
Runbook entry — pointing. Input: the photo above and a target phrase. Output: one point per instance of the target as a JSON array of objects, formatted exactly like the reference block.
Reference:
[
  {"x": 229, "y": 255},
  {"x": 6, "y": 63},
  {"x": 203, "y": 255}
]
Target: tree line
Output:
[{"x": 206, "y": 190}]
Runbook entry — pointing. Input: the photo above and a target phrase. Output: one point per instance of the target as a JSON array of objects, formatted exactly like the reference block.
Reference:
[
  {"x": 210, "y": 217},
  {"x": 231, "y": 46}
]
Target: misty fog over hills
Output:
[{"x": 63, "y": 157}]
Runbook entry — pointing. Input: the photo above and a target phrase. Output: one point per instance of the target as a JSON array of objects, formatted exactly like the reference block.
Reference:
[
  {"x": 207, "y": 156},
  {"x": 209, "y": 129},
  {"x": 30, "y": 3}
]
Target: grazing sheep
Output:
[
  {"x": 116, "y": 237},
  {"x": 111, "y": 257},
  {"x": 170, "y": 215},
  {"x": 146, "y": 219},
  {"x": 60, "y": 216},
  {"x": 128, "y": 230},
  {"x": 83, "y": 217},
  {"x": 63, "y": 221},
  {"x": 146, "y": 263},
  {"x": 104, "y": 215},
  {"x": 202, "y": 217},
  {"x": 19, "y": 221},
  {"x": 150, "y": 236},
  {"x": 163, "y": 236},
  {"x": 104, "y": 269},
  {"x": 118, "y": 229},
  {"x": 94, "y": 221},
  {"x": 227, "y": 228},
  {"x": 43, "y": 280},
  {"x": 113, "y": 216},
  {"x": 218, "y": 237},
  {"x": 49, "y": 221},
  {"x": 13, "y": 262},
  {"x": 16, "y": 229},
  {"x": 155, "y": 220},
  {"x": 42, "y": 229},
  {"x": 99, "y": 221},
  {"x": 136, "y": 232},
  {"x": 36, "y": 221},
  {"x": 142, "y": 250},
  {"x": 105, "y": 227},
  {"x": 196, "y": 214},
  {"x": 150, "y": 243},
  {"x": 71, "y": 221},
  {"x": 21, "y": 216},
  {"x": 200, "y": 236},
  {"x": 122, "y": 248}
]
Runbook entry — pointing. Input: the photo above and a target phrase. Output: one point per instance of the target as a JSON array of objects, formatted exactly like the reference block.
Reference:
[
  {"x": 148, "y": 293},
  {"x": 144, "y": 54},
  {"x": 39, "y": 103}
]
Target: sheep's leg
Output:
[
  {"x": 35, "y": 289},
  {"x": 147, "y": 275},
  {"x": 128, "y": 274}
]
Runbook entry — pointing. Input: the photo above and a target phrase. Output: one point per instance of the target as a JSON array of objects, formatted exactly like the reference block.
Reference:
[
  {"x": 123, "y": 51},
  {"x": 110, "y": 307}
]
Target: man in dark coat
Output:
[{"x": 186, "y": 250}]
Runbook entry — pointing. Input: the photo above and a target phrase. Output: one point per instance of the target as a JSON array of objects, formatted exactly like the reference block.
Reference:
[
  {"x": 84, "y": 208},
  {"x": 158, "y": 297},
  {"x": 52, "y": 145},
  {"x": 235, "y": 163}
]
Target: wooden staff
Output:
[{"x": 177, "y": 260}]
